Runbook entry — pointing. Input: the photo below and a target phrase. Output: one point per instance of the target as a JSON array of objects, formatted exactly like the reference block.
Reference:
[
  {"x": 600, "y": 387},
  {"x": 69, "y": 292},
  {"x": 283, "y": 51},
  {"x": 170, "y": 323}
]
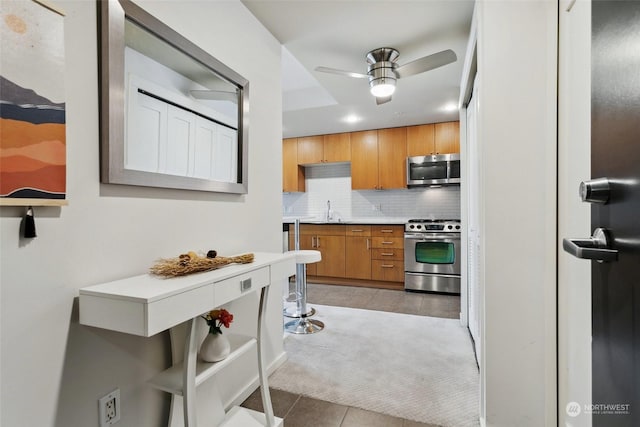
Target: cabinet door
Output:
[
  {"x": 332, "y": 249},
  {"x": 310, "y": 150},
  {"x": 337, "y": 147},
  {"x": 447, "y": 137},
  {"x": 364, "y": 160},
  {"x": 421, "y": 140},
  {"x": 307, "y": 242},
  {"x": 292, "y": 174},
  {"x": 358, "y": 257},
  {"x": 392, "y": 158}
]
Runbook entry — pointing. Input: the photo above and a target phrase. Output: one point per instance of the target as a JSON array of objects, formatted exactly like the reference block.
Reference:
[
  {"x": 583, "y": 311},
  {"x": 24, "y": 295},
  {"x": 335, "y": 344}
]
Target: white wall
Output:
[
  {"x": 574, "y": 149},
  {"x": 517, "y": 129},
  {"x": 53, "y": 369},
  {"x": 333, "y": 182}
]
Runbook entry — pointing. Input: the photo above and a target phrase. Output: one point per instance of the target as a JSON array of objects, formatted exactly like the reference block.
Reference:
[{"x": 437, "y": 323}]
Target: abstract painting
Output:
[{"x": 32, "y": 104}]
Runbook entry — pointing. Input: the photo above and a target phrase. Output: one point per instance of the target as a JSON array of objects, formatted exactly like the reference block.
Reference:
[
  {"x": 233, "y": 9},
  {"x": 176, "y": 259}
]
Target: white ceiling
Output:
[{"x": 338, "y": 34}]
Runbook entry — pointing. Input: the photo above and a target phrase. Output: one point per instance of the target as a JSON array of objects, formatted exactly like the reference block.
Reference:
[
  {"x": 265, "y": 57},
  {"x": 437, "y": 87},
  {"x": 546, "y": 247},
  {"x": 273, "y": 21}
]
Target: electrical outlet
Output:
[{"x": 109, "y": 408}]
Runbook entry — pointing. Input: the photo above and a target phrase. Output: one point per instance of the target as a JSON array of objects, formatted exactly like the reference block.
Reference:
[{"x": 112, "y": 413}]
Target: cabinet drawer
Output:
[
  {"x": 322, "y": 229},
  {"x": 388, "y": 242},
  {"x": 388, "y": 230},
  {"x": 387, "y": 254},
  {"x": 230, "y": 289},
  {"x": 358, "y": 230},
  {"x": 387, "y": 270}
]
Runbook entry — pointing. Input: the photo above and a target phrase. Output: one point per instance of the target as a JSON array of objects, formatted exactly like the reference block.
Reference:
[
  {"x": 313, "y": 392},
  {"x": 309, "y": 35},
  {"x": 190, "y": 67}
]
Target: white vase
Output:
[{"x": 214, "y": 348}]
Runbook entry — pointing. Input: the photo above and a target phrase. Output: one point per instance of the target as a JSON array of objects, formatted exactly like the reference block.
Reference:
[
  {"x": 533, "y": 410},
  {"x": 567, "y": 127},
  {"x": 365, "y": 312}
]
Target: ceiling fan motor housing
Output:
[
  {"x": 382, "y": 66},
  {"x": 382, "y": 73}
]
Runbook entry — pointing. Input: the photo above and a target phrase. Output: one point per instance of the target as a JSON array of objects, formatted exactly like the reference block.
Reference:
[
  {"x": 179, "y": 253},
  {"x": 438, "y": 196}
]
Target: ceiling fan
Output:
[{"x": 383, "y": 71}]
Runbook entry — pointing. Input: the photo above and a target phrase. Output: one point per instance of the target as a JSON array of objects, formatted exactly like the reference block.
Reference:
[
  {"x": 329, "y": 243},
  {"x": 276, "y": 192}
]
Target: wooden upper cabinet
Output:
[
  {"x": 292, "y": 174},
  {"x": 310, "y": 149},
  {"x": 364, "y": 160},
  {"x": 378, "y": 159},
  {"x": 421, "y": 140},
  {"x": 324, "y": 149},
  {"x": 438, "y": 138},
  {"x": 447, "y": 137},
  {"x": 337, "y": 147},
  {"x": 392, "y": 158}
]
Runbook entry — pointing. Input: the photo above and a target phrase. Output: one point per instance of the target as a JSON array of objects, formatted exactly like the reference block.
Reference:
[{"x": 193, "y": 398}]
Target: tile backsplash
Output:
[{"x": 333, "y": 182}]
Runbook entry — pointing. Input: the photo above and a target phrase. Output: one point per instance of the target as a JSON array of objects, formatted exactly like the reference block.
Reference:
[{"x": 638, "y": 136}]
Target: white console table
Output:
[{"x": 146, "y": 305}]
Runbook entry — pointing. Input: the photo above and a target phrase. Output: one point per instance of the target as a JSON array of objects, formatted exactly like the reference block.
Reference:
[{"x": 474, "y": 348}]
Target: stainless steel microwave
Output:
[{"x": 438, "y": 169}]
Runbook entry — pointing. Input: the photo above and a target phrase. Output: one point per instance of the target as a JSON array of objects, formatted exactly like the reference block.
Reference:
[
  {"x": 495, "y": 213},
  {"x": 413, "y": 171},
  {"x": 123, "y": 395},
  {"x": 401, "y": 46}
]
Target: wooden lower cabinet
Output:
[
  {"x": 359, "y": 255},
  {"x": 330, "y": 241},
  {"x": 332, "y": 249},
  {"x": 387, "y": 263},
  {"x": 358, "y": 252}
]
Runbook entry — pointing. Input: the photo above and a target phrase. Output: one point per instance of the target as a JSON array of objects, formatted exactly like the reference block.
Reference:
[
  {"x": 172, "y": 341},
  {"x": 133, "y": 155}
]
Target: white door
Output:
[{"x": 473, "y": 235}]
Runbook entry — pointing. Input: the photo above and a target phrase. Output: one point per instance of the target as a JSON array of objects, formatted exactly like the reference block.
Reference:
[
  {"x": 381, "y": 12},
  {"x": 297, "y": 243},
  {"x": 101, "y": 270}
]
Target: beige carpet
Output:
[{"x": 414, "y": 367}]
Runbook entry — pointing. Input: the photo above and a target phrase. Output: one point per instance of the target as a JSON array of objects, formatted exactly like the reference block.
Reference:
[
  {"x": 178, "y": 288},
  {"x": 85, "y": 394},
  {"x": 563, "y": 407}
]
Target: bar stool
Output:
[
  {"x": 303, "y": 325},
  {"x": 303, "y": 257}
]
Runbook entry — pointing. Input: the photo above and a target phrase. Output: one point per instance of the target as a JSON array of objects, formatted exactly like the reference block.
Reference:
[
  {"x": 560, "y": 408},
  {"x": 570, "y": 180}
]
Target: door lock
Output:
[{"x": 595, "y": 190}]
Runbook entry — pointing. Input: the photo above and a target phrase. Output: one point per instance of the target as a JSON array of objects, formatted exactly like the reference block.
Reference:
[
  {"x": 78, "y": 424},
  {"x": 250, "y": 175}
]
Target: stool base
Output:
[{"x": 304, "y": 326}]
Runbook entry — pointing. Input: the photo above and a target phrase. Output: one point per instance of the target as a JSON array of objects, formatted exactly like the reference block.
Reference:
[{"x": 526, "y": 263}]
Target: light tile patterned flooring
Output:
[{"x": 301, "y": 411}]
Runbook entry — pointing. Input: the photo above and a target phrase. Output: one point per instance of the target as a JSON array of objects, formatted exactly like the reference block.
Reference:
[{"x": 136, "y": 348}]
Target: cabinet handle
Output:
[
  {"x": 387, "y": 243},
  {"x": 386, "y": 231},
  {"x": 317, "y": 242},
  {"x": 313, "y": 241},
  {"x": 368, "y": 245},
  {"x": 386, "y": 253},
  {"x": 357, "y": 231},
  {"x": 386, "y": 266}
]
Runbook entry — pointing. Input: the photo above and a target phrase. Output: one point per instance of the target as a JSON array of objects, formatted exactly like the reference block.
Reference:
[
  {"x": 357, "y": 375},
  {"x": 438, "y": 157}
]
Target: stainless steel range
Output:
[{"x": 432, "y": 255}]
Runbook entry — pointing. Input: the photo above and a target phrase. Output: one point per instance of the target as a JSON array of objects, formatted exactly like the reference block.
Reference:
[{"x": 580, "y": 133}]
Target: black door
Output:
[{"x": 615, "y": 154}]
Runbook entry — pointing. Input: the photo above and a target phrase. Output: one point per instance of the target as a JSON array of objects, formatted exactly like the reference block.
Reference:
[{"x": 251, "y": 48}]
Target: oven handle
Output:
[{"x": 429, "y": 237}]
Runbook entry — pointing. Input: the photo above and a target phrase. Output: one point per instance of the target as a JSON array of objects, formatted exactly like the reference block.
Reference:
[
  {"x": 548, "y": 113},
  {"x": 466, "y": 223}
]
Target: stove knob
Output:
[
  {"x": 457, "y": 227},
  {"x": 449, "y": 227},
  {"x": 411, "y": 227},
  {"x": 418, "y": 227}
]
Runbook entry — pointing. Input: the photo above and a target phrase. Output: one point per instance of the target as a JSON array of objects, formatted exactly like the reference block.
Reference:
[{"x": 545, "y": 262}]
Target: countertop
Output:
[{"x": 373, "y": 221}]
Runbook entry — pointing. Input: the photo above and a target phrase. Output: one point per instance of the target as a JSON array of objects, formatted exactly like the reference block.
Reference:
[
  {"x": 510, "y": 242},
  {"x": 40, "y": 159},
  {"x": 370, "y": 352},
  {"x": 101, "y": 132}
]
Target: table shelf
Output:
[{"x": 171, "y": 379}]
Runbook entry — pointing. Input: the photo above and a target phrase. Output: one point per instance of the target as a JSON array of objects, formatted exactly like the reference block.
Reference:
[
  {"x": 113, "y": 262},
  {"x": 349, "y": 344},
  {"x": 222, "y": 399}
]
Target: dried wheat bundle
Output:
[{"x": 193, "y": 263}]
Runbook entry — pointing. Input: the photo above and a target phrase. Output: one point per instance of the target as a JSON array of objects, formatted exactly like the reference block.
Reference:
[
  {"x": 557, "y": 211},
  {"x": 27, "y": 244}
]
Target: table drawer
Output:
[{"x": 230, "y": 289}]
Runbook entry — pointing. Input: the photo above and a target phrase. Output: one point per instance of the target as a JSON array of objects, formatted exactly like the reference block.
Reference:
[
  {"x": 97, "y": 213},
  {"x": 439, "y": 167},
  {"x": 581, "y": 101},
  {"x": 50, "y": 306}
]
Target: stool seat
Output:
[{"x": 306, "y": 256}]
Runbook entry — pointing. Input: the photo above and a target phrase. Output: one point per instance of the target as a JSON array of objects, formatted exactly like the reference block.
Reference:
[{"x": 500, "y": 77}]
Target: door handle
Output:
[{"x": 595, "y": 247}]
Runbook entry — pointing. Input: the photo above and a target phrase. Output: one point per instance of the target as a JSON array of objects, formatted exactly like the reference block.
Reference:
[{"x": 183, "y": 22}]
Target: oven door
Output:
[{"x": 432, "y": 253}]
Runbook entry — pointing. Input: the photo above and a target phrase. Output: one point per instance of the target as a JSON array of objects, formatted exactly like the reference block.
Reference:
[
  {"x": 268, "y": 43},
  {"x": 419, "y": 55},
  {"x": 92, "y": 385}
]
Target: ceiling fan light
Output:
[{"x": 383, "y": 89}]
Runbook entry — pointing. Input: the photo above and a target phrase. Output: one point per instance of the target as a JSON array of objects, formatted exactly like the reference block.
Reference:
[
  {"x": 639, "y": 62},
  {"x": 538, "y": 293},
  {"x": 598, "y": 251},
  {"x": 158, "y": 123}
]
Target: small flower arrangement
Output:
[{"x": 216, "y": 319}]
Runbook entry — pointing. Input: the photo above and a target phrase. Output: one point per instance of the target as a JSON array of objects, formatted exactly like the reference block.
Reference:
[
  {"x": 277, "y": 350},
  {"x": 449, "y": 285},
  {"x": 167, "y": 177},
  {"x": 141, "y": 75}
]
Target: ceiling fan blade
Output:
[
  {"x": 215, "y": 95},
  {"x": 341, "y": 72},
  {"x": 383, "y": 100},
  {"x": 426, "y": 63}
]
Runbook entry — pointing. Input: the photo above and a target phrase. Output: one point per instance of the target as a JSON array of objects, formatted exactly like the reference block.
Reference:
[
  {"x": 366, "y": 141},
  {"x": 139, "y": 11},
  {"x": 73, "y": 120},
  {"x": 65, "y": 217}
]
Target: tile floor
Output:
[{"x": 301, "y": 411}]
